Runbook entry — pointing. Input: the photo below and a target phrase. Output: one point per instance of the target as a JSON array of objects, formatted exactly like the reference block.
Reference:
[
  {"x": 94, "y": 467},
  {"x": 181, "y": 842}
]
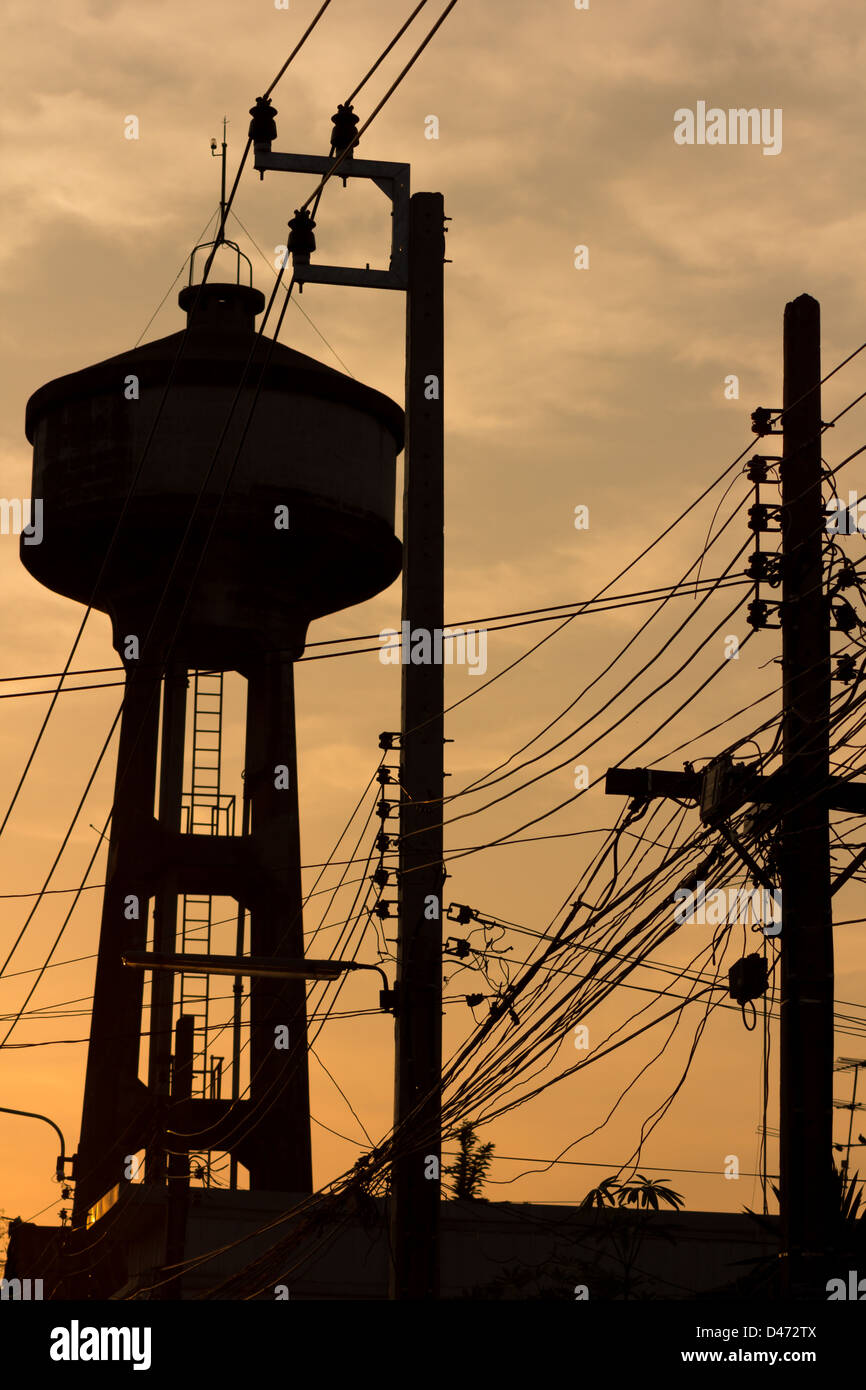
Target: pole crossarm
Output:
[
  {"x": 720, "y": 797},
  {"x": 391, "y": 178},
  {"x": 856, "y": 863}
]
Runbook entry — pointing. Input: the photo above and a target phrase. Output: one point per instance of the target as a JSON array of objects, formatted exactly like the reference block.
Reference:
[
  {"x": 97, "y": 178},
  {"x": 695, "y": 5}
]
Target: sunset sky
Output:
[{"x": 601, "y": 387}]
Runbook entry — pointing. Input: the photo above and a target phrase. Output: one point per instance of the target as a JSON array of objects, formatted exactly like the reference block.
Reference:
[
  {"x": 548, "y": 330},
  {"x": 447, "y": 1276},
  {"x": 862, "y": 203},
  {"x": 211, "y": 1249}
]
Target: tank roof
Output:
[{"x": 216, "y": 358}]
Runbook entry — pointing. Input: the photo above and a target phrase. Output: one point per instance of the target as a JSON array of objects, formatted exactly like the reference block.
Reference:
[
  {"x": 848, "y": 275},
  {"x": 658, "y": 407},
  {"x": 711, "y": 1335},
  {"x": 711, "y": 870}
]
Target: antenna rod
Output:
[
  {"x": 223, "y": 184},
  {"x": 220, "y": 236}
]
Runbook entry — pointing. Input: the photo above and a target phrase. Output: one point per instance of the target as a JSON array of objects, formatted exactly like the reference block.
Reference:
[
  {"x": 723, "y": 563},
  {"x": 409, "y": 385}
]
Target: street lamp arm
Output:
[
  {"x": 32, "y": 1115},
  {"x": 360, "y": 965}
]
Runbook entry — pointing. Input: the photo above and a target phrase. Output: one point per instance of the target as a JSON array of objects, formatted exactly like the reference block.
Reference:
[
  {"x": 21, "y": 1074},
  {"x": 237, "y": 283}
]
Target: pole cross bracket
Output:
[{"x": 391, "y": 178}]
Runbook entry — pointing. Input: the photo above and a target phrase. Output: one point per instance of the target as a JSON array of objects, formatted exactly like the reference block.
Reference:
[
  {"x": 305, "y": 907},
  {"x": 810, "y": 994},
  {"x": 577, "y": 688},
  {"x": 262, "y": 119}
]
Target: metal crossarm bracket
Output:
[{"x": 392, "y": 179}]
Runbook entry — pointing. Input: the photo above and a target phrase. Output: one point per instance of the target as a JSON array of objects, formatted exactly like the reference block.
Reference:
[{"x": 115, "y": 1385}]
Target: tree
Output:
[
  {"x": 647, "y": 1193},
  {"x": 473, "y": 1163},
  {"x": 623, "y": 1232},
  {"x": 639, "y": 1191}
]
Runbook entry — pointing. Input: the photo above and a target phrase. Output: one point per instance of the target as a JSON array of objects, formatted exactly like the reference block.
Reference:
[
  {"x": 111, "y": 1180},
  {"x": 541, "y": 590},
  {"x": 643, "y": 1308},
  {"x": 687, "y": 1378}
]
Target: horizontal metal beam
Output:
[
  {"x": 349, "y": 275},
  {"x": 391, "y": 178},
  {"x": 191, "y": 964},
  {"x": 848, "y": 796},
  {"x": 350, "y": 168},
  {"x": 648, "y": 782}
]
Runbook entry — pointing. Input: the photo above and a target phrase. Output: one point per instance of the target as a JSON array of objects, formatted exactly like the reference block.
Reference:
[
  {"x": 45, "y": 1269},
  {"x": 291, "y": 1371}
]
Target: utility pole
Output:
[
  {"x": 806, "y": 1006},
  {"x": 416, "y": 266},
  {"x": 804, "y": 792},
  {"x": 415, "y": 1191}
]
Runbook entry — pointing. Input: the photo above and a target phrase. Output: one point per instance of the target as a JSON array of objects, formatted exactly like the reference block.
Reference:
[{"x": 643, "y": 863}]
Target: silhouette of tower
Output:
[{"x": 211, "y": 536}]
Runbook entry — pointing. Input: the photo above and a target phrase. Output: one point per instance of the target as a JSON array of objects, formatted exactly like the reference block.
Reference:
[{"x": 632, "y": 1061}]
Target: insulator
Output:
[
  {"x": 456, "y": 946},
  {"x": 345, "y": 124},
  {"x": 383, "y": 809},
  {"x": 757, "y": 614},
  {"x": 760, "y": 516},
  {"x": 846, "y": 669},
  {"x": 748, "y": 978},
  {"x": 383, "y": 775},
  {"x": 845, "y": 616},
  {"x": 383, "y": 909},
  {"x": 764, "y": 568},
  {"x": 762, "y": 421},
  {"x": 473, "y": 1000},
  {"x": 301, "y": 239},
  {"x": 381, "y": 876},
  {"x": 757, "y": 470},
  {"x": 459, "y": 912},
  {"x": 848, "y": 578},
  {"x": 383, "y": 842},
  {"x": 389, "y": 741},
  {"x": 263, "y": 130}
]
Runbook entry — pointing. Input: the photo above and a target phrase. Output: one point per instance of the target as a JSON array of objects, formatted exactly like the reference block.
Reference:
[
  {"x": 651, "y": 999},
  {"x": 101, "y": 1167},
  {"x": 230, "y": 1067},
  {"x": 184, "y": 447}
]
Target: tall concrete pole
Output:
[
  {"x": 415, "y": 1183},
  {"x": 806, "y": 1082}
]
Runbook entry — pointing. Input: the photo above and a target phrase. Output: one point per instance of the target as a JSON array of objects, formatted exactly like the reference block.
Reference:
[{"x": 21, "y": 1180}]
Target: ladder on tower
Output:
[{"x": 203, "y": 818}]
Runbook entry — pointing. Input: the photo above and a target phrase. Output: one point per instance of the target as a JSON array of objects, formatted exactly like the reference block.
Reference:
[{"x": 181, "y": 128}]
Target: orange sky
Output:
[{"x": 601, "y": 386}]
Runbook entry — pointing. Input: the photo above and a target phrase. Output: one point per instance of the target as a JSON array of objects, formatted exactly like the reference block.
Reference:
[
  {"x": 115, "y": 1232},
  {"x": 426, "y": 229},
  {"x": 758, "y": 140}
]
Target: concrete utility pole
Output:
[
  {"x": 416, "y": 266},
  {"x": 415, "y": 1192},
  {"x": 805, "y": 793},
  {"x": 806, "y": 1008}
]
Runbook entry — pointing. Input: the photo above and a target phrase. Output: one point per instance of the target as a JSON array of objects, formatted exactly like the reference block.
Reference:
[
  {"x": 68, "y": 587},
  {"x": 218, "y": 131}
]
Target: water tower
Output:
[{"x": 212, "y": 494}]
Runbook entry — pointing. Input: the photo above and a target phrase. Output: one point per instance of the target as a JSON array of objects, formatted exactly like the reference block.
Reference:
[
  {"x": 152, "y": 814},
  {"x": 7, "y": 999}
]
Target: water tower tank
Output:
[{"x": 318, "y": 446}]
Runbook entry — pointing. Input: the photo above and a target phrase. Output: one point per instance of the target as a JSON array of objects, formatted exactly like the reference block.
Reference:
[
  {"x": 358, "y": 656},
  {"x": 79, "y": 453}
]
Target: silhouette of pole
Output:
[
  {"x": 415, "y": 1189},
  {"x": 806, "y": 1011}
]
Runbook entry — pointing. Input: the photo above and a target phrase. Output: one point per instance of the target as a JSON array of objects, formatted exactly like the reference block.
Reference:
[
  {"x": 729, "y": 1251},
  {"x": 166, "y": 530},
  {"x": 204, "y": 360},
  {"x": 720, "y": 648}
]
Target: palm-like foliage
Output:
[
  {"x": 645, "y": 1192},
  {"x": 472, "y": 1166},
  {"x": 639, "y": 1191},
  {"x": 602, "y": 1196}
]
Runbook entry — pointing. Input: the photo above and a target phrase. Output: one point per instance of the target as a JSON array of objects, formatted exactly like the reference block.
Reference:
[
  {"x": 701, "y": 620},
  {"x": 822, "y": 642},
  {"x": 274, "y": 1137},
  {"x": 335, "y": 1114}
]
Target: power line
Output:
[
  {"x": 620, "y": 600},
  {"x": 384, "y": 54},
  {"x": 344, "y": 154}
]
